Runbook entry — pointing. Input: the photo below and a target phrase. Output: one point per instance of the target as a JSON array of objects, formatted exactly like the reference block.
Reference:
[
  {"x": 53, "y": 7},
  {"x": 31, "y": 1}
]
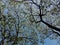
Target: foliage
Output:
[{"x": 18, "y": 21}]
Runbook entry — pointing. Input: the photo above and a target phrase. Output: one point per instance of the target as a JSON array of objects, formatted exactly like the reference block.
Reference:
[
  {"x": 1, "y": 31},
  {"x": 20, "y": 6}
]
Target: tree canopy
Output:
[{"x": 29, "y": 22}]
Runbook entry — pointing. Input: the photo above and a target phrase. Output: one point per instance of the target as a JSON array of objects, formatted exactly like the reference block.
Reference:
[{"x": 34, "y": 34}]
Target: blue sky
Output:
[{"x": 50, "y": 42}]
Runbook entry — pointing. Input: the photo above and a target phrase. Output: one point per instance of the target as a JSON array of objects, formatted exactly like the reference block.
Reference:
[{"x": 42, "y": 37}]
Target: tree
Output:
[
  {"x": 29, "y": 22},
  {"x": 40, "y": 15}
]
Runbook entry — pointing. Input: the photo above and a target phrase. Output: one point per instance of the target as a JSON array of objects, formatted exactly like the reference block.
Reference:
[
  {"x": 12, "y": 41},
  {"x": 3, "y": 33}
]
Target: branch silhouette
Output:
[{"x": 41, "y": 19}]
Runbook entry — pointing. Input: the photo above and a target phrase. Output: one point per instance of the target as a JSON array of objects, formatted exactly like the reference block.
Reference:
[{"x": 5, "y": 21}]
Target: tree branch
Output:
[
  {"x": 56, "y": 32},
  {"x": 40, "y": 15},
  {"x": 57, "y": 29},
  {"x": 35, "y": 3}
]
